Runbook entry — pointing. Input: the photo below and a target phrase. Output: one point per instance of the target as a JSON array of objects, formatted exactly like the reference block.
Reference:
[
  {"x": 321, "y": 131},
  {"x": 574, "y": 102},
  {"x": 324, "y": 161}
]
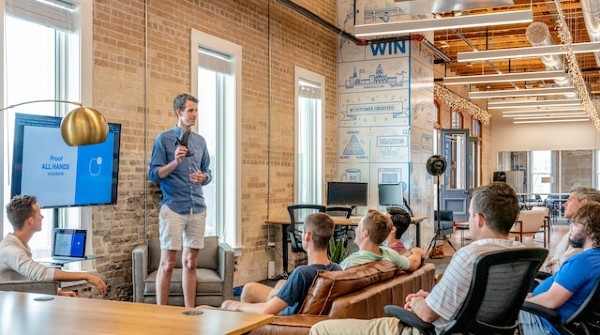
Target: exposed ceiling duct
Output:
[
  {"x": 591, "y": 17},
  {"x": 538, "y": 34}
]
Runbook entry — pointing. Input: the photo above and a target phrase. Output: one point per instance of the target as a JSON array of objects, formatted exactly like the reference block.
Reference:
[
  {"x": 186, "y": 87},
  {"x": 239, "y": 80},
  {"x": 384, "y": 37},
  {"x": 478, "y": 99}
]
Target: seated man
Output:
[
  {"x": 568, "y": 288},
  {"x": 492, "y": 212},
  {"x": 16, "y": 263},
  {"x": 563, "y": 250},
  {"x": 258, "y": 298},
  {"x": 371, "y": 231},
  {"x": 400, "y": 223}
]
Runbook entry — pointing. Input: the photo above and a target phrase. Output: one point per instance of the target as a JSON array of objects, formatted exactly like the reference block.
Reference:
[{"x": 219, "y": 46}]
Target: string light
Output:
[
  {"x": 461, "y": 104},
  {"x": 572, "y": 65}
]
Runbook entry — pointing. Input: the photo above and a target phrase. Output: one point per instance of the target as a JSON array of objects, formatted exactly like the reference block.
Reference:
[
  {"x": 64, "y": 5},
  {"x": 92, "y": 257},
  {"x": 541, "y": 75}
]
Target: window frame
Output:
[
  {"x": 76, "y": 217},
  {"x": 231, "y": 213},
  {"x": 313, "y": 77}
]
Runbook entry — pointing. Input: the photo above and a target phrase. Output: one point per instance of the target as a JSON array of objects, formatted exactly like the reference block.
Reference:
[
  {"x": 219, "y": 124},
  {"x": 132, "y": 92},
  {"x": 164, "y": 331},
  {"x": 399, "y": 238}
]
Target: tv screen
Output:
[
  {"x": 347, "y": 193},
  {"x": 390, "y": 195},
  {"x": 60, "y": 175}
]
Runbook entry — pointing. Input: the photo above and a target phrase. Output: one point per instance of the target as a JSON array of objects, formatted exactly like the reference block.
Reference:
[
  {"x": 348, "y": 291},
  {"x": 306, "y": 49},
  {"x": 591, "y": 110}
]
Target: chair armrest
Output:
[
  {"x": 541, "y": 275},
  {"x": 410, "y": 319},
  {"x": 547, "y": 313},
  {"x": 226, "y": 267},
  {"x": 139, "y": 267},
  {"x": 30, "y": 286}
]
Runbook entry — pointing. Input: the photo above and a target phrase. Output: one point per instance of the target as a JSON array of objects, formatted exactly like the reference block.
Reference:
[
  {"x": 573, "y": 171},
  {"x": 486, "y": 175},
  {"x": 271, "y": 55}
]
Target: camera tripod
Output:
[{"x": 439, "y": 232}]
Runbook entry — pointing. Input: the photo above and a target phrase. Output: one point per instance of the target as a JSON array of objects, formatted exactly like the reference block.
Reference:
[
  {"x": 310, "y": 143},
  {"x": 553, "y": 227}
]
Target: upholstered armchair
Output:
[{"x": 214, "y": 271}]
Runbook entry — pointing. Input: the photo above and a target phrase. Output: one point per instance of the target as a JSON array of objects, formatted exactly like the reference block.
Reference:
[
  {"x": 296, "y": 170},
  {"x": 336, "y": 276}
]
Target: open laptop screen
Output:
[{"x": 69, "y": 243}]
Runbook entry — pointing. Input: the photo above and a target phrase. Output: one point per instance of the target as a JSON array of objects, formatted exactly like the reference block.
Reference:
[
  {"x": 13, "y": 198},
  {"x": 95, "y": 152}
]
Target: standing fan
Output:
[{"x": 436, "y": 166}]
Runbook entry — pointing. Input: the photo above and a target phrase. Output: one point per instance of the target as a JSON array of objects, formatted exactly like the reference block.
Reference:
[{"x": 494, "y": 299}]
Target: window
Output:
[
  {"x": 541, "y": 167},
  {"x": 216, "y": 82},
  {"x": 309, "y": 136},
  {"x": 457, "y": 120},
  {"x": 475, "y": 128},
  {"x": 57, "y": 33}
]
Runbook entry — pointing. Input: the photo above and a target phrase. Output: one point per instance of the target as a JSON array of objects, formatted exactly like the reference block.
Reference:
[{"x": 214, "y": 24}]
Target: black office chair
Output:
[
  {"x": 499, "y": 285},
  {"x": 300, "y": 211},
  {"x": 340, "y": 232},
  {"x": 586, "y": 320}
]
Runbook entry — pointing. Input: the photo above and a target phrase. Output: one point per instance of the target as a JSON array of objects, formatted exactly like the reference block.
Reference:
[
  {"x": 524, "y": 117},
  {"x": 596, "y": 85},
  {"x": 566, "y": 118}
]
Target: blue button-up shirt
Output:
[{"x": 179, "y": 193}]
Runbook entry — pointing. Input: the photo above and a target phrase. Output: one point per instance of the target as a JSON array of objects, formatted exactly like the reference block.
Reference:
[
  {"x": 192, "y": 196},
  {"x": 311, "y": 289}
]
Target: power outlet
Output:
[{"x": 271, "y": 244}]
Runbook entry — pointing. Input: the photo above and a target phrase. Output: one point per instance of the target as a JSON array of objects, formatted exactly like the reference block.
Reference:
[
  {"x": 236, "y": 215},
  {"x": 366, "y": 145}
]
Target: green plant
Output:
[{"x": 337, "y": 250}]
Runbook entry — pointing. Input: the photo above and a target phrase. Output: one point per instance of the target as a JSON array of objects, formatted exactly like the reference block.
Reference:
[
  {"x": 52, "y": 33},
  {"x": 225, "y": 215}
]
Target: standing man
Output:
[
  {"x": 564, "y": 249},
  {"x": 16, "y": 263},
  {"x": 180, "y": 165}
]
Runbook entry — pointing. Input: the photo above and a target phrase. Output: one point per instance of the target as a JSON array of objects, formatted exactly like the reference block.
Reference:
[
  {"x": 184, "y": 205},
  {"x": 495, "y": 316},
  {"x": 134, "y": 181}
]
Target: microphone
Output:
[{"x": 183, "y": 141}]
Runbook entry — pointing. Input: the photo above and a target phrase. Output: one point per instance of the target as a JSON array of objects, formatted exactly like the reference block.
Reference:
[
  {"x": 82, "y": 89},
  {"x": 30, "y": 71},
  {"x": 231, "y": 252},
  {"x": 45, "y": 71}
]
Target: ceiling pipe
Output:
[
  {"x": 489, "y": 63},
  {"x": 591, "y": 17},
  {"x": 538, "y": 34},
  {"x": 362, "y": 42}
]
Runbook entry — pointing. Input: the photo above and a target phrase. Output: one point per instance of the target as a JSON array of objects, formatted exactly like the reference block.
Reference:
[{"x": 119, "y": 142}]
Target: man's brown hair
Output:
[
  {"x": 19, "y": 209},
  {"x": 321, "y": 227},
  {"x": 589, "y": 216},
  {"x": 378, "y": 225}
]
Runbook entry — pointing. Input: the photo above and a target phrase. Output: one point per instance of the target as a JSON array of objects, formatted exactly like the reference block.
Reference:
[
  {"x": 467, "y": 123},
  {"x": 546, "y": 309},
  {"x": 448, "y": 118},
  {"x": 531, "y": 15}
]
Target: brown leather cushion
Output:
[{"x": 329, "y": 285}]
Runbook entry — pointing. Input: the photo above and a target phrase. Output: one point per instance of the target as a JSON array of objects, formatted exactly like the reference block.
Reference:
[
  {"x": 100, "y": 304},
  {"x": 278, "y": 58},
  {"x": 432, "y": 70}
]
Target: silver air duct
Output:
[
  {"x": 591, "y": 17},
  {"x": 538, "y": 34}
]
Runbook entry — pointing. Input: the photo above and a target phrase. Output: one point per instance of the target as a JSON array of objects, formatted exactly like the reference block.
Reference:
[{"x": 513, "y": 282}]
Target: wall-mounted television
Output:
[
  {"x": 60, "y": 175},
  {"x": 347, "y": 193}
]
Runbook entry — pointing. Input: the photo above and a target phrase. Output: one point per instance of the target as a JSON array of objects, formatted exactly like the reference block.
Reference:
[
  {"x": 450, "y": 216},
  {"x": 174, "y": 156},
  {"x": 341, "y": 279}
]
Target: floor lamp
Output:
[
  {"x": 436, "y": 166},
  {"x": 81, "y": 126}
]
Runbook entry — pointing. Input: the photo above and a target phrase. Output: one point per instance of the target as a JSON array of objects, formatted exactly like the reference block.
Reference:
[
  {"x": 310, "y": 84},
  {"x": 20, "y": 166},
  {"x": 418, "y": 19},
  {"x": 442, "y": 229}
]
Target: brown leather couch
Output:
[{"x": 360, "y": 292}]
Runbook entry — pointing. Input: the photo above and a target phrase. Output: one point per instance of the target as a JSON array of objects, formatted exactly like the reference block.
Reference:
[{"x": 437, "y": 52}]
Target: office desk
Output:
[
  {"x": 338, "y": 221},
  {"x": 21, "y": 314}
]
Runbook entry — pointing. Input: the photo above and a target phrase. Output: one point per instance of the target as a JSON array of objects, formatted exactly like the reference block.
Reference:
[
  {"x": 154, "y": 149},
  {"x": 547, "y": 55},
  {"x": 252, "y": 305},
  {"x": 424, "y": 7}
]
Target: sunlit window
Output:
[
  {"x": 309, "y": 136},
  {"x": 42, "y": 61}
]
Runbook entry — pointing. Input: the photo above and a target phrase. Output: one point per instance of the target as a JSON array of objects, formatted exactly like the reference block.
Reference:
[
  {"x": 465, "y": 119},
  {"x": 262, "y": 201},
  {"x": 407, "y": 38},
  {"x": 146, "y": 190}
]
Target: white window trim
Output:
[
  {"x": 233, "y": 181},
  {"x": 86, "y": 63},
  {"x": 301, "y": 73}
]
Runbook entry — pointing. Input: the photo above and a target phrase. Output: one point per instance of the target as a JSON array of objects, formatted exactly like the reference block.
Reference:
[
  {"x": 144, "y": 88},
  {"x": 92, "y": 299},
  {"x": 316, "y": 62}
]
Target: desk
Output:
[
  {"x": 21, "y": 314},
  {"x": 338, "y": 221}
]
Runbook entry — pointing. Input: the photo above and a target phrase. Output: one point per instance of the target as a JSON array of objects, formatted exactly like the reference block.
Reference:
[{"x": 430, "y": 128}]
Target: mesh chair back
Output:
[
  {"x": 340, "y": 232},
  {"x": 500, "y": 282},
  {"x": 297, "y": 214},
  {"x": 586, "y": 320}
]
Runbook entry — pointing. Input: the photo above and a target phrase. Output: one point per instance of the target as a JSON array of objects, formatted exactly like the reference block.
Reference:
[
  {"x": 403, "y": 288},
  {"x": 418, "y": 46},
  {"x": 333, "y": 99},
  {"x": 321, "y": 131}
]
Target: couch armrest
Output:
[
  {"x": 290, "y": 324},
  {"x": 139, "y": 268},
  {"x": 42, "y": 287},
  {"x": 226, "y": 267}
]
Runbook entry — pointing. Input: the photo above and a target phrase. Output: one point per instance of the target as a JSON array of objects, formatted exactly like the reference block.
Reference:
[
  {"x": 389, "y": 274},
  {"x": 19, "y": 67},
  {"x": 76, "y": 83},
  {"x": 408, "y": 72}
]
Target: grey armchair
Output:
[
  {"x": 43, "y": 287},
  {"x": 214, "y": 270}
]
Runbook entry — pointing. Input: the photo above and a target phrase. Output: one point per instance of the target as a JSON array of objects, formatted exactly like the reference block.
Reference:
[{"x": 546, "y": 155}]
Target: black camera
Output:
[{"x": 183, "y": 141}]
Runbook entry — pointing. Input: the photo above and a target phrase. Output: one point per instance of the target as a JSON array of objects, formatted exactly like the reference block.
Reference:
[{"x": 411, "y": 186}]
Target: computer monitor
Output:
[
  {"x": 347, "y": 193},
  {"x": 390, "y": 195}
]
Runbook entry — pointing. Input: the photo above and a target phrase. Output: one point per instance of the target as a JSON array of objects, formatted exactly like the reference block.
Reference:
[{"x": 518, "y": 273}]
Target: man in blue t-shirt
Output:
[
  {"x": 568, "y": 288},
  {"x": 259, "y": 298}
]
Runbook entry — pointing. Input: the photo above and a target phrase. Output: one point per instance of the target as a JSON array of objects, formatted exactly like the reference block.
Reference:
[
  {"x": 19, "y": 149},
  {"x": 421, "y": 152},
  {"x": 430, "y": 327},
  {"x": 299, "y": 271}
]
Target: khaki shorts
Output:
[{"x": 176, "y": 227}]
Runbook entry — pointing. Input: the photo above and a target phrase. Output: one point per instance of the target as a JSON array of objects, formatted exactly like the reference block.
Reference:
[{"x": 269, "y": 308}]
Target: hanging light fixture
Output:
[{"x": 81, "y": 126}]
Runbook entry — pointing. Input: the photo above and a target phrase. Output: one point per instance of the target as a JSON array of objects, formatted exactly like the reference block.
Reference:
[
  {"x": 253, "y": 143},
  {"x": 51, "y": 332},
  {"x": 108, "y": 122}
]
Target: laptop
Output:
[{"x": 68, "y": 246}]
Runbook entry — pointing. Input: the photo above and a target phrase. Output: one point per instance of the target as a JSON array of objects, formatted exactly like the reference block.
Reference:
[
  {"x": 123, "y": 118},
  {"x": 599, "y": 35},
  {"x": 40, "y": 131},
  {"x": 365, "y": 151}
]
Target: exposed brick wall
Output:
[{"x": 119, "y": 92}]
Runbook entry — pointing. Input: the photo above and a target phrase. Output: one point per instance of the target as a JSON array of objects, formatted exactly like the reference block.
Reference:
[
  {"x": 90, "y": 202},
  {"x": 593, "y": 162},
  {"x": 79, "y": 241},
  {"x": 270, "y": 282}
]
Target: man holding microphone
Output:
[{"x": 180, "y": 166}]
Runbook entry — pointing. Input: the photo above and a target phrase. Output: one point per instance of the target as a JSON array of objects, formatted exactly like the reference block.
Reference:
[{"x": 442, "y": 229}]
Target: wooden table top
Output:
[
  {"x": 22, "y": 314},
  {"x": 338, "y": 220}
]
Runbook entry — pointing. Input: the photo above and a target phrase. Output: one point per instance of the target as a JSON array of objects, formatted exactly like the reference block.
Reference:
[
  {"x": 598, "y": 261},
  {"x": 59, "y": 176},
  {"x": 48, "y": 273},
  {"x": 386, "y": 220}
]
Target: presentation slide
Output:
[{"x": 60, "y": 175}]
